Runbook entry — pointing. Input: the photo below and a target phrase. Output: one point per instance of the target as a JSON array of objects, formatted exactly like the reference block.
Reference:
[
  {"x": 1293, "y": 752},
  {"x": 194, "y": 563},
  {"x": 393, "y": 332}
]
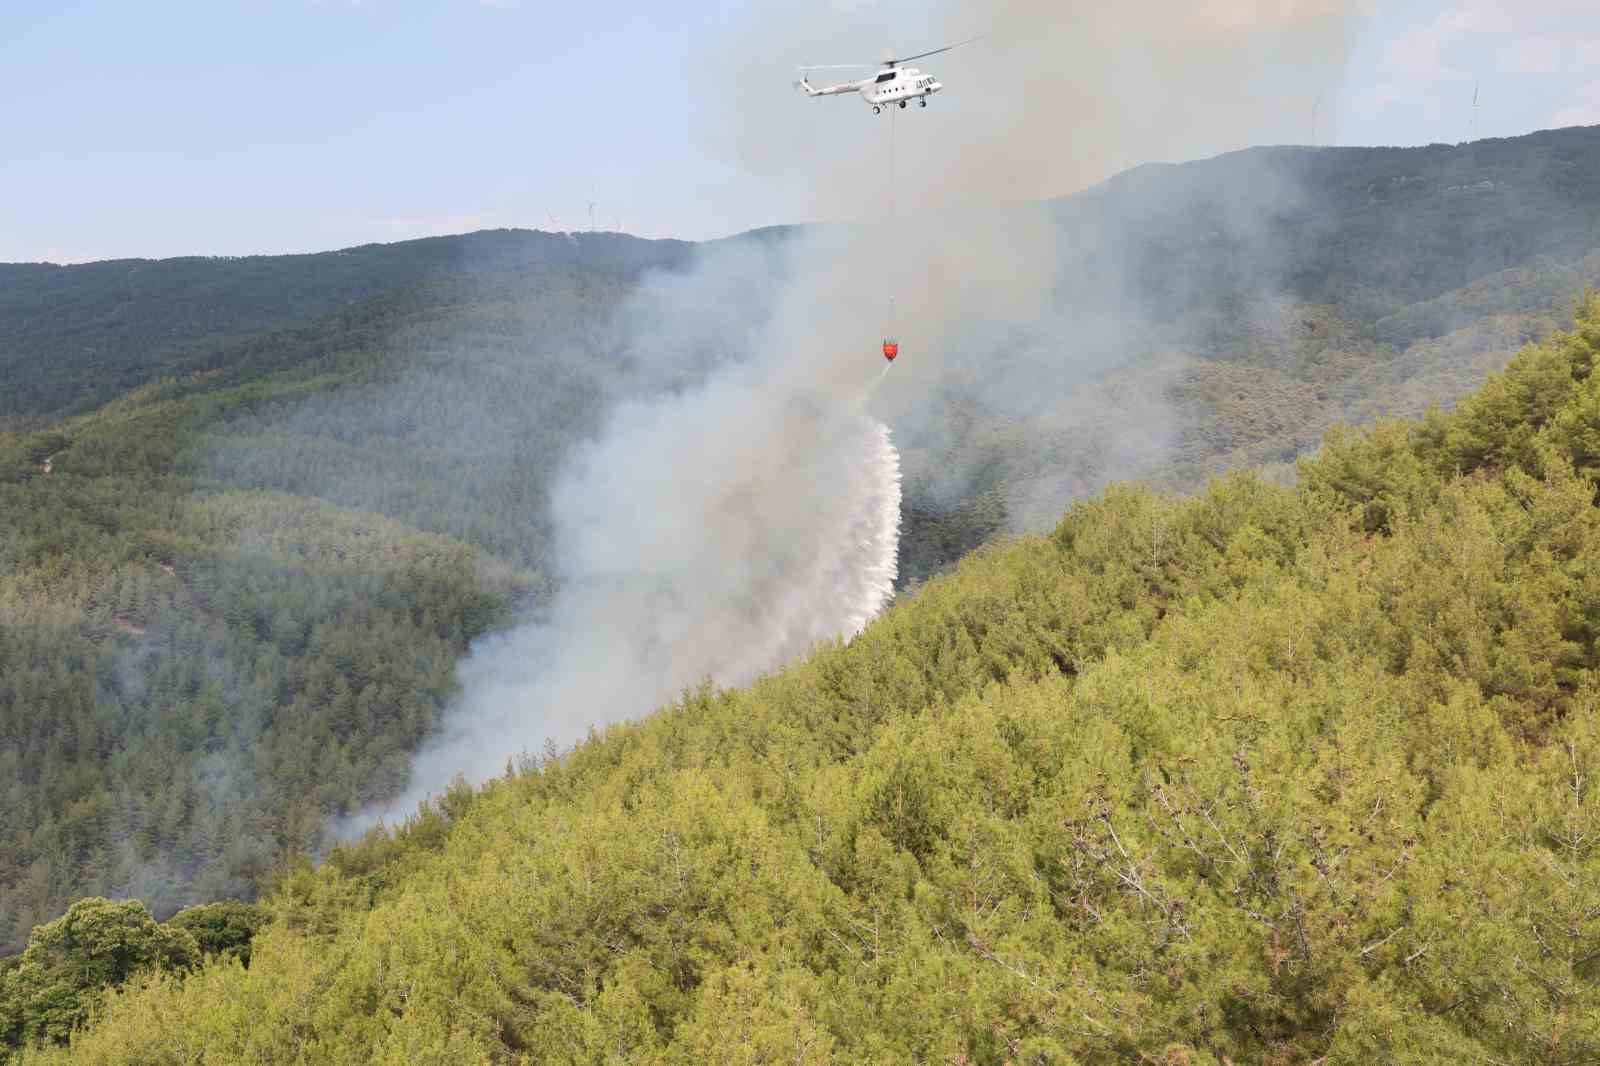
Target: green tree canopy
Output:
[{"x": 71, "y": 962}]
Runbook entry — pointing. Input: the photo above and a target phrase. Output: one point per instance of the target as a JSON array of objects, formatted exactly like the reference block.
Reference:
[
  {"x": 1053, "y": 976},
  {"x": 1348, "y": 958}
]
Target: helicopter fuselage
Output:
[{"x": 899, "y": 86}]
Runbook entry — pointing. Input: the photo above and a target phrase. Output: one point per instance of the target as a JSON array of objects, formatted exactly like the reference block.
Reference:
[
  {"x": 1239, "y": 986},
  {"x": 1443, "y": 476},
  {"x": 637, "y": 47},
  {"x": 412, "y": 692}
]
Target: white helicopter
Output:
[{"x": 893, "y": 84}]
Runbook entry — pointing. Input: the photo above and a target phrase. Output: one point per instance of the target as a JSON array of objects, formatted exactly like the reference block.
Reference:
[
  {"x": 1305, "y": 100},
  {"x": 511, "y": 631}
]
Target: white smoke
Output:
[{"x": 713, "y": 535}]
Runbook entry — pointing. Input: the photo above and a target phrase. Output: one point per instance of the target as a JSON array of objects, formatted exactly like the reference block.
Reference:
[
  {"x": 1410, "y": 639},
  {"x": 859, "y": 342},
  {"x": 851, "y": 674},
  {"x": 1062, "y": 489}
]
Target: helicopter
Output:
[{"x": 893, "y": 85}]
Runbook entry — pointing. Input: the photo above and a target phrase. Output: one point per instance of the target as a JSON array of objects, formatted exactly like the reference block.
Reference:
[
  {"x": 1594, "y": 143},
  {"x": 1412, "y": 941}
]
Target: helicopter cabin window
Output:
[{"x": 885, "y": 77}]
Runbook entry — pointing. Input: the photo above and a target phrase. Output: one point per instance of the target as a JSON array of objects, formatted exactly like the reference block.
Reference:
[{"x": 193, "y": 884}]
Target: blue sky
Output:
[
  {"x": 1415, "y": 70},
  {"x": 175, "y": 127}
]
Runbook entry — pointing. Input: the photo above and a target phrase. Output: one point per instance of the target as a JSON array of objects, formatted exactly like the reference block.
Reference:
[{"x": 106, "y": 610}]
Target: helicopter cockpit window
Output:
[{"x": 885, "y": 77}]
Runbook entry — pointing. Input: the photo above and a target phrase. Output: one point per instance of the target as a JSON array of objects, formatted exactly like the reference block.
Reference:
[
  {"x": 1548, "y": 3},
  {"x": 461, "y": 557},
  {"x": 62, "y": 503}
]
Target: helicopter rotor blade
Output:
[
  {"x": 842, "y": 66},
  {"x": 936, "y": 51}
]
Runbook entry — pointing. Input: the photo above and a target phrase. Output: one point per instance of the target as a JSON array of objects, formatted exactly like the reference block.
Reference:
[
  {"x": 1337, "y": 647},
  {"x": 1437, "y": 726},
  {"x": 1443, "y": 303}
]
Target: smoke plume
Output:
[
  {"x": 727, "y": 526},
  {"x": 714, "y": 535}
]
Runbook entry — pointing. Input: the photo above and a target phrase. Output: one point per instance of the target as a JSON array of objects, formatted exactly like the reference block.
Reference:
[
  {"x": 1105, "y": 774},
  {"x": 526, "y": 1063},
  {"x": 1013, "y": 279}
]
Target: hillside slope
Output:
[
  {"x": 232, "y": 608},
  {"x": 73, "y": 337},
  {"x": 1267, "y": 774},
  {"x": 234, "y": 604}
]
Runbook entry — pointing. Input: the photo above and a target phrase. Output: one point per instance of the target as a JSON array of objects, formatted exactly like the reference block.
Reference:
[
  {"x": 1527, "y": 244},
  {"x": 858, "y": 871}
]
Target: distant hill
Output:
[
  {"x": 248, "y": 536},
  {"x": 1373, "y": 229},
  {"x": 1381, "y": 234},
  {"x": 72, "y": 337},
  {"x": 1264, "y": 296}
]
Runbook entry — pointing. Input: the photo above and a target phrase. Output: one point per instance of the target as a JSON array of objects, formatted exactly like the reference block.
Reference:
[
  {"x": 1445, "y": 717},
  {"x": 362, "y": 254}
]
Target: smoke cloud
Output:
[
  {"x": 1058, "y": 95},
  {"x": 742, "y": 505},
  {"x": 751, "y": 511}
]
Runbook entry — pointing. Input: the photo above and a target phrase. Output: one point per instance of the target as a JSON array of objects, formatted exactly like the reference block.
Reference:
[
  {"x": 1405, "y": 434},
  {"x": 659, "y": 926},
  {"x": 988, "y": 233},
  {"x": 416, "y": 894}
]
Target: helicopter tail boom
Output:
[{"x": 805, "y": 86}]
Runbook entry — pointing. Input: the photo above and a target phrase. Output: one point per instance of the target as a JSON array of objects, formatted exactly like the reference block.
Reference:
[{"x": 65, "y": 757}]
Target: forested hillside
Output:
[
  {"x": 252, "y": 512},
  {"x": 73, "y": 337},
  {"x": 1267, "y": 774},
  {"x": 233, "y": 605}
]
